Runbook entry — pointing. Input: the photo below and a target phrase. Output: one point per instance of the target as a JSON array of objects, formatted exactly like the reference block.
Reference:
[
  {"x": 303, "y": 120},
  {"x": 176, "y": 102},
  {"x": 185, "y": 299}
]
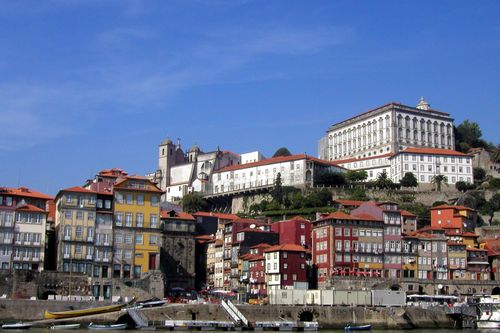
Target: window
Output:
[
  {"x": 154, "y": 200},
  {"x": 107, "y": 204},
  {"x": 68, "y": 215},
  {"x": 140, "y": 199},
  {"x": 90, "y": 216},
  {"x": 139, "y": 220},
  {"x": 128, "y": 238},
  {"x": 137, "y": 271},
  {"x": 129, "y": 198},
  {"x": 128, "y": 219},
  {"x": 79, "y": 232},
  {"x": 119, "y": 198},
  {"x": 153, "y": 240},
  {"x": 154, "y": 221},
  {"x": 139, "y": 239},
  {"x": 118, "y": 238}
]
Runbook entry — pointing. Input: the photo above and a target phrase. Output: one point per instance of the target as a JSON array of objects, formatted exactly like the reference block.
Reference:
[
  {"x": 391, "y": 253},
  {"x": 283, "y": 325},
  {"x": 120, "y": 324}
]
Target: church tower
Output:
[{"x": 166, "y": 159}]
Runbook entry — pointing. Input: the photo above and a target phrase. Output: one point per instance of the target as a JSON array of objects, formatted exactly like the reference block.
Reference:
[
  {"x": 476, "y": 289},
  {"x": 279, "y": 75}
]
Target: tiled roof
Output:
[
  {"x": 476, "y": 249},
  {"x": 344, "y": 216},
  {"x": 261, "y": 246},
  {"x": 349, "y": 160},
  {"x": 221, "y": 216},
  {"x": 77, "y": 189},
  {"x": 30, "y": 208},
  {"x": 51, "y": 207},
  {"x": 452, "y": 207},
  {"x": 279, "y": 159},
  {"x": 24, "y": 192},
  {"x": 115, "y": 172},
  {"x": 407, "y": 213},
  {"x": 433, "y": 151},
  {"x": 286, "y": 247}
]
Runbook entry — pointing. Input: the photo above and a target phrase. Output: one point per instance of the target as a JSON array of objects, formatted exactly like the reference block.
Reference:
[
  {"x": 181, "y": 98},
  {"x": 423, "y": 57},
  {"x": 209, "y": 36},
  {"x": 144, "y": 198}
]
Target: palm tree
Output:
[
  {"x": 495, "y": 154},
  {"x": 438, "y": 180}
]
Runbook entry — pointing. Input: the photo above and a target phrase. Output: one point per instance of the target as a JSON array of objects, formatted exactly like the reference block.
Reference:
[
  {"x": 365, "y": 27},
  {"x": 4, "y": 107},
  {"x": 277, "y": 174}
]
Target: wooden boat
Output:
[
  {"x": 93, "y": 326},
  {"x": 17, "y": 326},
  {"x": 350, "y": 327},
  {"x": 65, "y": 327},
  {"x": 86, "y": 312}
]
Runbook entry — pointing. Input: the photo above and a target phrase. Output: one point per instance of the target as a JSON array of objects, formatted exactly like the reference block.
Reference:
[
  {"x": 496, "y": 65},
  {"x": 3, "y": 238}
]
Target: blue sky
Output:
[{"x": 87, "y": 85}]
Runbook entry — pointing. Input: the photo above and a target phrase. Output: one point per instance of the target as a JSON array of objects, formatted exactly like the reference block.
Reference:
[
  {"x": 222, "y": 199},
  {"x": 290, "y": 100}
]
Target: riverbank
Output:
[{"x": 327, "y": 316}]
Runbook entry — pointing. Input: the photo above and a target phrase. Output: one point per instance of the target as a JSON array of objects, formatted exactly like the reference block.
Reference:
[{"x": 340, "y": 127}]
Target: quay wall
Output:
[{"x": 327, "y": 316}]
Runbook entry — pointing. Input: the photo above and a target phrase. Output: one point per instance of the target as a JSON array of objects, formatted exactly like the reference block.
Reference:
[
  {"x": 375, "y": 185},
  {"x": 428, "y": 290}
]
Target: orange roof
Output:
[
  {"x": 279, "y": 159},
  {"x": 343, "y": 216},
  {"x": 286, "y": 247},
  {"x": 77, "y": 189},
  {"x": 407, "y": 213},
  {"x": 476, "y": 250},
  {"x": 30, "y": 208},
  {"x": 493, "y": 246},
  {"x": 115, "y": 172},
  {"x": 469, "y": 234},
  {"x": 452, "y": 207},
  {"x": 24, "y": 192},
  {"x": 119, "y": 182},
  {"x": 348, "y": 160},
  {"x": 433, "y": 151},
  {"x": 260, "y": 246},
  {"x": 221, "y": 216}
]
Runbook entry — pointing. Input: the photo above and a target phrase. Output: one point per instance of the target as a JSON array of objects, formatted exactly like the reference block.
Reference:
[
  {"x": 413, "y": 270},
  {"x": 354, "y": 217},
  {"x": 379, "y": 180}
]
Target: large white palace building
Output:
[{"x": 396, "y": 138}]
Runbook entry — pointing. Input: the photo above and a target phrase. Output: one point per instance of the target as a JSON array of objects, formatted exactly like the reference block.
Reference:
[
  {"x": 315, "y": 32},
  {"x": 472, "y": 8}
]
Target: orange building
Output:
[{"x": 453, "y": 217}]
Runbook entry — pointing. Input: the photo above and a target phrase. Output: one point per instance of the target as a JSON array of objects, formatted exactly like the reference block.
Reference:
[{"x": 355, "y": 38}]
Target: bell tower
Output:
[{"x": 166, "y": 159}]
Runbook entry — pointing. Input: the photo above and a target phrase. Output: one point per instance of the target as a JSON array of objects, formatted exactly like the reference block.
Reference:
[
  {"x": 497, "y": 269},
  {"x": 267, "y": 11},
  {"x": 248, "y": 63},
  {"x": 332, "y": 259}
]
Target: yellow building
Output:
[
  {"x": 137, "y": 234},
  {"x": 75, "y": 227}
]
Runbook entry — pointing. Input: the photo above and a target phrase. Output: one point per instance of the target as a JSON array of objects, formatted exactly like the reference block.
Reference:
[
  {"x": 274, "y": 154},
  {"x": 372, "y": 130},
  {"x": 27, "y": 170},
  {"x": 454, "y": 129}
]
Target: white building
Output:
[
  {"x": 388, "y": 129},
  {"x": 254, "y": 156},
  {"x": 181, "y": 173},
  {"x": 425, "y": 163},
  {"x": 383, "y": 139},
  {"x": 295, "y": 170}
]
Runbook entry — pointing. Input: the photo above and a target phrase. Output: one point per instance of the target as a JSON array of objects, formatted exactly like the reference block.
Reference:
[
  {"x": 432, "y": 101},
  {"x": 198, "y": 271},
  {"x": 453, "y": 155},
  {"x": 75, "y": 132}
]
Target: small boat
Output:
[
  {"x": 86, "y": 312},
  {"x": 65, "y": 327},
  {"x": 17, "y": 326},
  {"x": 93, "y": 326},
  {"x": 489, "y": 309},
  {"x": 151, "y": 303},
  {"x": 350, "y": 327}
]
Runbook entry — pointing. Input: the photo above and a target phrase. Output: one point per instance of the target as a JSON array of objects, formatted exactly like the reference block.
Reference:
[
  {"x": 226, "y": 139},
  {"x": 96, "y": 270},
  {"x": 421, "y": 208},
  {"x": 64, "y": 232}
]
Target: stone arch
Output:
[
  {"x": 48, "y": 293},
  {"x": 126, "y": 319},
  {"x": 307, "y": 314},
  {"x": 495, "y": 291},
  {"x": 395, "y": 287},
  {"x": 308, "y": 175}
]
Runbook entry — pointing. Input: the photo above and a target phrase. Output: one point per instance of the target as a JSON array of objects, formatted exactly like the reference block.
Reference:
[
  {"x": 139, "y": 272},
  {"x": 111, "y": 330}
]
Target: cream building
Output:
[{"x": 388, "y": 129}]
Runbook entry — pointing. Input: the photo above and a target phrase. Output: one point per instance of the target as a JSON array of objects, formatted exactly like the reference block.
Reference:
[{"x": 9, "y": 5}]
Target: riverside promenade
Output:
[{"x": 327, "y": 316}]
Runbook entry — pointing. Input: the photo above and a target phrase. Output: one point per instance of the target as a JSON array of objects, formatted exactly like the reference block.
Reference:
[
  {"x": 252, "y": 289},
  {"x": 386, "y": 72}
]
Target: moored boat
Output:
[
  {"x": 489, "y": 308},
  {"x": 17, "y": 326},
  {"x": 350, "y": 327},
  {"x": 65, "y": 327},
  {"x": 86, "y": 312},
  {"x": 110, "y": 327}
]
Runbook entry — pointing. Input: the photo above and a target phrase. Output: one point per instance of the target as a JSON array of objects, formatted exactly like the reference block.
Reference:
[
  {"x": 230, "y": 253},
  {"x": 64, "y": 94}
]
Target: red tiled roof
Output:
[
  {"x": 77, "y": 189},
  {"x": 407, "y": 213},
  {"x": 115, "y": 172},
  {"x": 256, "y": 257},
  {"x": 261, "y": 246},
  {"x": 273, "y": 160},
  {"x": 30, "y": 208},
  {"x": 286, "y": 247},
  {"x": 24, "y": 192},
  {"x": 433, "y": 151},
  {"x": 51, "y": 208},
  {"x": 343, "y": 216},
  {"x": 349, "y": 160},
  {"x": 452, "y": 207},
  {"x": 469, "y": 234},
  {"x": 221, "y": 216}
]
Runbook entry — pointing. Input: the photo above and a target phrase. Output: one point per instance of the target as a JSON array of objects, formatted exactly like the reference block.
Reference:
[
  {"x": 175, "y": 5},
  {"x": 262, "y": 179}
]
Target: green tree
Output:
[
  {"x": 328, "y": 178},
  {"x": 438, "y": 181},
  {"x": 296, "y": 200},
  {"x": 464, "y": 186},
  {"x": 283, "y": 151},
  {"x": 491, "y": 207},
  {"x": 495, "y": 154},
  {"x": 409, "y": 180},
  {"x": 193, "y": 203},
  {"x": 479, "y": 174},
  {"x": 278, "y": 192},
  {"x": 359, "y": 194},
  {"x": 467, "y": 135},
  {"x": 356, "y": 175},
  {"x": 383, "y": 181}
]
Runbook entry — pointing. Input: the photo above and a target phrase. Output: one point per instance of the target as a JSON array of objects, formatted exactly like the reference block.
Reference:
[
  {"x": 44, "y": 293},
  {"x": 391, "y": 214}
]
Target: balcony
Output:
[
  {"x": 90, "y": 239},
  {"x": 66, "y": 255},
  {"x": 17, "y": 259},
  {"x": 67, "y": 237},
  {"x": 89, "y": 257},
  {"x": 26, "y": 258}
]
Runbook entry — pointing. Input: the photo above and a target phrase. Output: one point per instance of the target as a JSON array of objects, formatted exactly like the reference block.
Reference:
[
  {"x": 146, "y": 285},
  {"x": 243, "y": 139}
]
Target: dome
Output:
[
  {"x": 194, "y": 149},
  {"x": 423, "y": 104},
  {"x": 167, "y": 141}
]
